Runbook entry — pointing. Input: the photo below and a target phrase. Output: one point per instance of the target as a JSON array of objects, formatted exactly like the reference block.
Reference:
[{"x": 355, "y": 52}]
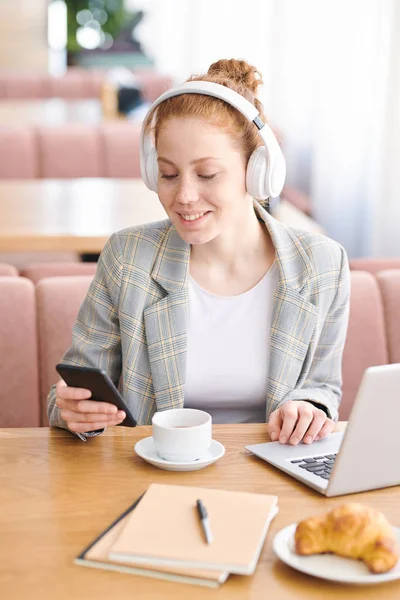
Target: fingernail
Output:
[
  {"x": 121, "y": 415},
  {"x": 273, "y": 435},
  {"x": 308, "y": 439},
  {"x": 294, "y": 441},
  {"x": 317, "y": 438},
  {"x": 283, "y": 440}
]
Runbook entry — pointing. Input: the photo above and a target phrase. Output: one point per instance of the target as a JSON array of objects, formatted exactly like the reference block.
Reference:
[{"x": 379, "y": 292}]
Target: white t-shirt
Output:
[{"x": 228, "y": 351}]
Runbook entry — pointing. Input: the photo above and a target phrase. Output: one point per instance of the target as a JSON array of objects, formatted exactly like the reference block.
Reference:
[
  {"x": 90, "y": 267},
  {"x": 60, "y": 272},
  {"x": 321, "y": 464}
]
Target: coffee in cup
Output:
[{"x": 182, "y": 434}]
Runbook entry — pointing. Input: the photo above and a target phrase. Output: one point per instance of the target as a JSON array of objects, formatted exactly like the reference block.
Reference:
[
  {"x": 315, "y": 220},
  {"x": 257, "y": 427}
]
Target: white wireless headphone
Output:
[{"x": 266, "y": 169}]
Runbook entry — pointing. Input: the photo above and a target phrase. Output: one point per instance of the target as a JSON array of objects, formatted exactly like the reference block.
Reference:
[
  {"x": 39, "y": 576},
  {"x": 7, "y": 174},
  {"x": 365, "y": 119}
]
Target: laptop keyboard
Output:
[{"x": 319, "y": 465}]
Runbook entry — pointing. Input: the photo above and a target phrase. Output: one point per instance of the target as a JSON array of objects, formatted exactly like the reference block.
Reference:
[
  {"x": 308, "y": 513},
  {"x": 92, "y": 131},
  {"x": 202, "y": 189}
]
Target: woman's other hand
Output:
[
  {"x": 82, "y": 414},
  {"x": 297, "y": 421}
]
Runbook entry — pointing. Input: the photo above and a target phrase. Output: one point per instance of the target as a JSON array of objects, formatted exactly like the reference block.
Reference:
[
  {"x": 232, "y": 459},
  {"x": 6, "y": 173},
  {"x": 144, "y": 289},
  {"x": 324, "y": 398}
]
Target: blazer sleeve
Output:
[
  {"x": 96, "y": 340},
  {"x": 323, "y": 385}
]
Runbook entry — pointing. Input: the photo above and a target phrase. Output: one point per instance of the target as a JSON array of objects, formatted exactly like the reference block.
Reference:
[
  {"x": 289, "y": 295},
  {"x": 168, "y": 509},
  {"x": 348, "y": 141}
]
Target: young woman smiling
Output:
[{"x": 220, "y": 307}]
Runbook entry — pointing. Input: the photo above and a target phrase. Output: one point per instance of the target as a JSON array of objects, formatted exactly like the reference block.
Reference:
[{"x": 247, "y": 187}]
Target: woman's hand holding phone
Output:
[{"x": 82, "y": 414}]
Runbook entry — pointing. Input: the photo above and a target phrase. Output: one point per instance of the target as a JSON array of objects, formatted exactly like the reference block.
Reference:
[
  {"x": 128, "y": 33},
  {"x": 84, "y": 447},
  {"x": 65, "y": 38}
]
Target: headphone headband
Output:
[
  {"x": 275, "y": 170},
  {"x": 208, "y": 88}
]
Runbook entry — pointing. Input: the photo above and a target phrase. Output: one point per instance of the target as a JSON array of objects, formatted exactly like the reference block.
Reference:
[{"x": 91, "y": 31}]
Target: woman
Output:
[{"x": 220, "y": 307}]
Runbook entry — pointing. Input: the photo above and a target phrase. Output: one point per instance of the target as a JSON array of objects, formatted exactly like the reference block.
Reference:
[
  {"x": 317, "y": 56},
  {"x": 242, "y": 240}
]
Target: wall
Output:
[{"x": 23, "y": 34}]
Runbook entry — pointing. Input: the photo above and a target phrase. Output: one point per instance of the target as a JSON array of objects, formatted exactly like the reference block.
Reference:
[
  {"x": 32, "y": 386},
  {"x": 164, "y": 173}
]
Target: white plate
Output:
[
  {"x": 329, "y": 566},
  {"x": 145, "y": 449}
]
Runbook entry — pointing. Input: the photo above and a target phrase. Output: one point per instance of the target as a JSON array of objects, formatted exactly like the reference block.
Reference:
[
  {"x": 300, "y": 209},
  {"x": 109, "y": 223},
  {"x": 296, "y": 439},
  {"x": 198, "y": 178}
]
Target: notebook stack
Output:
[{"x": 161, "y": 535}]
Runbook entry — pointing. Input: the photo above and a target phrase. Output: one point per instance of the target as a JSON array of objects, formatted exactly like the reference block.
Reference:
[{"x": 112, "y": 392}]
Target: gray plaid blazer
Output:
[{"x": 133, "y": 321}]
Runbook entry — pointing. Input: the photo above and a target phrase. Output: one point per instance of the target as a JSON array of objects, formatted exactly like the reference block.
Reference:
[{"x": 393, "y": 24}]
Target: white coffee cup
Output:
[{"x": 182, "y": 434}]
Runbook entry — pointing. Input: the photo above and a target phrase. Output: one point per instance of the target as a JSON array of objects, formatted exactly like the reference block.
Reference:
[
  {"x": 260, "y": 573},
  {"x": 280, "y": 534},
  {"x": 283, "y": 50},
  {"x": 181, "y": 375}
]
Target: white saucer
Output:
[
  {"x": 329, "y": 566},
  {"x": 145, "y": 449}
]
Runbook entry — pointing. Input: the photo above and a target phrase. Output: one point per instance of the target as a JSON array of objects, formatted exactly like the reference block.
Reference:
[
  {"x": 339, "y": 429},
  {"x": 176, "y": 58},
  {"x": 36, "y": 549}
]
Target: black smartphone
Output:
[{"x": 99, "y": 383}]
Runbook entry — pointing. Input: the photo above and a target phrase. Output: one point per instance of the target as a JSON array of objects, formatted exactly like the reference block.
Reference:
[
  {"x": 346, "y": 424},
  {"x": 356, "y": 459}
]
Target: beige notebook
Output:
[
  {"x": 165, "y": 529},
  {"x": 96, "y": 555}
]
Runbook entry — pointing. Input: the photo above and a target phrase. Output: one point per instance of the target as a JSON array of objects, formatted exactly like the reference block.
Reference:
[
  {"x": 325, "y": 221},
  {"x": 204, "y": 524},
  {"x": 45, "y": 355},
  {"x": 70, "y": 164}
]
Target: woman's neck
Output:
[{"x": 236, "y": 260}]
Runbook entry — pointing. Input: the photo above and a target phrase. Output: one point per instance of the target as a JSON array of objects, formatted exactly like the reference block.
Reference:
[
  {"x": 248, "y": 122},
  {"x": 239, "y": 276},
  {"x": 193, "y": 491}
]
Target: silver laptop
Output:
[{"x": 365, "y": 457}]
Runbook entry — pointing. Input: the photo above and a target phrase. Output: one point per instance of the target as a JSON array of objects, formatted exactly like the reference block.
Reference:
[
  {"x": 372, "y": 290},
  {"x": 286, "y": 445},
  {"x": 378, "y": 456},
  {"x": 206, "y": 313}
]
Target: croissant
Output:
[{"x": 351, "y": 530}]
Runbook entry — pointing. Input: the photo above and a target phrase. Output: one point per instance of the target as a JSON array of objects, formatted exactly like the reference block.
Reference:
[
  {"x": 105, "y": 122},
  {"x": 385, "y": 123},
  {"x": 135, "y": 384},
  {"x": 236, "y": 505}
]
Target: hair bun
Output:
[{"x": 238, "y": 71}]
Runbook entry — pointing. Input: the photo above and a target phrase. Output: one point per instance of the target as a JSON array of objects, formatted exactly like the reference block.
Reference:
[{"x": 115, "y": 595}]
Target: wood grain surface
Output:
[{"x": 58, "y": 493}]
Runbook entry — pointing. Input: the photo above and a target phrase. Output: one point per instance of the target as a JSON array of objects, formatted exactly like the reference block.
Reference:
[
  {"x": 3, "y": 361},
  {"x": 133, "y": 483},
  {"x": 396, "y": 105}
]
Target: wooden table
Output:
[
  {"x": 57, "y": 493},
  {"x": 52, "y": 111},
  {"x": 81, "y": 214}
]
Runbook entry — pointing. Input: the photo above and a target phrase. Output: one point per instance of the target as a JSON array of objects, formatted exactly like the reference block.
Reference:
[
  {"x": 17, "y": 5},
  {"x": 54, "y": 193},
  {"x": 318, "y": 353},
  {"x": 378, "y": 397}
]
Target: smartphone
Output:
[{"x": 99, "y": 383}]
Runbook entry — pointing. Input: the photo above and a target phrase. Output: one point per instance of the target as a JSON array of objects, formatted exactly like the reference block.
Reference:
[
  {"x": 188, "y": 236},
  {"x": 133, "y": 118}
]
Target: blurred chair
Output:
[
  {"x": 23, "y": 84},
  {"x": 21, "y": 260},
  {"x": 121, "y": 149},
  {"x": 75, "y": 84},
  {"x": 366, "y": 343},
  {"x": 19, "y": 391},
  {"x": 36, "y": 272},
  {"x": 373, "y": 265},
  {"x": 8, "y": 270},
  {"x": 96, "y": 81},
  {"x": 58, "y": 301},
  {"x": 18, "y": 154},
  {"x": 389, "y": 284},
  {"x": 69, "y": 151}
]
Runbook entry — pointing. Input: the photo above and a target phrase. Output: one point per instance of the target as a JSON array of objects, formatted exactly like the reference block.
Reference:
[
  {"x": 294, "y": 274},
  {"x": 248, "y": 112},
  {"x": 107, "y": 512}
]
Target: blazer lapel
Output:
[
  {"x": 166, "y": 322},
  {"x": 292, "y": 327},
  {"x": 294, "y": 317}
]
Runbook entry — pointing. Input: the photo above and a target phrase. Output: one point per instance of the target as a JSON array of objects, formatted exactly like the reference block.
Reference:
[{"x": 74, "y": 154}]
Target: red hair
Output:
[{"x": 237, "y": 75}]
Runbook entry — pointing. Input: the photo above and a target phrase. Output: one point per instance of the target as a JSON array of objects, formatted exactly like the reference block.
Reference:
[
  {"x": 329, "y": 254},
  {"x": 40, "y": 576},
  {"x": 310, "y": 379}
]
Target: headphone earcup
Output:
[
  {"x": 257, "y": 174},
  {"x": 151, "y": 175},
  {"x": 265, "y": 177}
]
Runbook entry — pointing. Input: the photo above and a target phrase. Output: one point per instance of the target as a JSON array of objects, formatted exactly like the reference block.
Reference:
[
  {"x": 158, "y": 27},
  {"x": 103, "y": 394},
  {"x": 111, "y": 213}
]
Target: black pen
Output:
[{"x": 201, "y": 509}]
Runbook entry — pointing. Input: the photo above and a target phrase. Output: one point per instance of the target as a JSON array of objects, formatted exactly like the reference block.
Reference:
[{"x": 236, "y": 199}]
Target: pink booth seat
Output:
[
  {"x": 153, "y": 84},
  {"x": 24, "y": 84},
  {"x": 18, "y": 155},
  {"x": 69, "y": 151},
  {"x": 374, "y": 265},
  {"x": 20, "y": 260},
  {"x": 366, "y": 343},
  {"x": 8, "y": 270},
  {"x": 36, "y": 272},
  {"x": 79, "y": 82},
  {"x": 389, "y": 284},
  {"x": 58, "y": 301},
  {"x": 19, "y": 391},
  {"x": 121, "y": 149},
  {"x": 95, "y": 82},
  {"x": 76, "y": 84}
]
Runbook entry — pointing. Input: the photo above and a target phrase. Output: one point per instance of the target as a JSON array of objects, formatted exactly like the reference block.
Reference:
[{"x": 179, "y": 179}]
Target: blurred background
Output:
[{"x": 77, "y": 76}]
